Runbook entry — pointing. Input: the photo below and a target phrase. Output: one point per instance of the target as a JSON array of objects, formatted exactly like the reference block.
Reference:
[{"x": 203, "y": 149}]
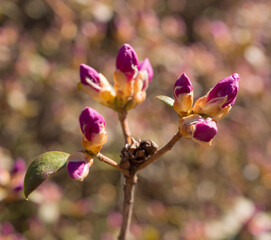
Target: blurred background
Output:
[{"x": 193, "y": 192}]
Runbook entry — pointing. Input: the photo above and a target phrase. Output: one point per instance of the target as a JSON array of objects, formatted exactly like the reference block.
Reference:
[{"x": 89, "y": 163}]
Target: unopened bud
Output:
[
  {"x": 219, "y": 100},
  {"x": 130, "y": 78},
  {"x": 78, "y": 165},
  {"x": 127, "y": 62},
  {"x": 92, "y": 126},
  {"x": 200, "y": 129},
  {"x": 140, "y": 86},
  {"x": 227, "y": 88},
  {"x": 90, "y": 77},
  {"x": 145, "y": 66},
  {"x": 96, "y": 85},
  {"x": 183, "y": 95}
]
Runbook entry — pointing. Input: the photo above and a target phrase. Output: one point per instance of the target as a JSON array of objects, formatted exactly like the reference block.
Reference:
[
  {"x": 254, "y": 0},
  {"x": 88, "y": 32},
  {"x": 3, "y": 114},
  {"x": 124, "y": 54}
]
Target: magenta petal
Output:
[
  {"x": 182, "y": 85},
  {"x": 205, "y": 130},
  {"x": 227, "y": 87},
  {"x": 91, "y": 122},
  {"x": 146, "y": 65},
  {"x": 90, "y": 73},
  {"x": 127, "y": 60},
  {"x": 76, "y": 169}
]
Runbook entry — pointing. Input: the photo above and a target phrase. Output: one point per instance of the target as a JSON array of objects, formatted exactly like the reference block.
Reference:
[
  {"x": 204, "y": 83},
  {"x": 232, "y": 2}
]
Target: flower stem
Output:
[
  {"x": 128, "y": 202},
  {"x": 112, "y": 163},
  {"x": 125, "y": 126}
]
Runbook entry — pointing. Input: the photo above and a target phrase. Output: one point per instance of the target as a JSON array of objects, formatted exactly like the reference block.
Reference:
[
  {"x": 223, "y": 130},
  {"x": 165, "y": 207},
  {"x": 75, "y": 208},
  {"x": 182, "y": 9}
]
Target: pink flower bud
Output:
[
  {"x": 91, "y": 123},
  {"x": 198, "y": 128},
  {"x": 218, "y": 102},
  {"x": 90, "y": 77},
  {"x": 145, "y": 65},
  {"x": 205, "y": 130},
  {"x": 78, "y": 165},
  {"x": 226, "y": 88},
  {"x": 96, "y": 85},
  {"x": 182, "y": 85},
  {"x": 127, "y": 61},
  {"x": 92, "y": 126},
  {"x": 183, "y": 95}
]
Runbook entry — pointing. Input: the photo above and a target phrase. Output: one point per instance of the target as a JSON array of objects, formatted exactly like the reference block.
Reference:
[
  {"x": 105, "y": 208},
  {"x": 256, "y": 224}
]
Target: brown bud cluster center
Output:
[{"x": 136, "y": 153}]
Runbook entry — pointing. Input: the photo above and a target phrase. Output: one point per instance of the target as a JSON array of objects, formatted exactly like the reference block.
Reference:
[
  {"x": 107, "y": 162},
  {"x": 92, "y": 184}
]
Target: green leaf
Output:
[
  {"x": 41, "y": 168},
  {"x": 165, "y": 99}
]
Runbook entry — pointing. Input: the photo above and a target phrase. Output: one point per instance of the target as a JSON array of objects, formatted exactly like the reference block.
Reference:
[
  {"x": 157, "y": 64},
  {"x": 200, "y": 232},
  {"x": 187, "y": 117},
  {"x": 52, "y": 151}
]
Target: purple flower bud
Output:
[
  {"x": 182, "y": 85},
  {"x": 78, "y": 165},
  {"x": 146, "y": 65},
  {"x": 198, "y": 128},
  {"x": 91, "y": 123},
  {"x": 18, "y": 166},
  {"x": 205, "y": 130},
  {"x": 226, "y": 88},
  {"x": 77, "y": 170},
  {"x": 89, "y": 76},
  {"x": 183, "y": 94},
  {"x": 127, "y": 61}
]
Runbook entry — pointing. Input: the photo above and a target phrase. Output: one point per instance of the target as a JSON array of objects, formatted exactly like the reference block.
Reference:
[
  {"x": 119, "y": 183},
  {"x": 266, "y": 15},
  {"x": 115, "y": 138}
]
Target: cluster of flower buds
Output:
[
  {"x": 131, "y": 80},
  {"x": 92, "y": 126},
  {"x": 199, "y": 122}
]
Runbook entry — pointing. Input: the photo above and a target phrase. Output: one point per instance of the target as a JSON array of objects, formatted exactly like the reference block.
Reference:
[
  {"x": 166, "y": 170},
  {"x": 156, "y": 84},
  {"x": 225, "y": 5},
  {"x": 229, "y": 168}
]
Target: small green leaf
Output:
[
  {"x": 41, "y": 168},
  {"x": 165, "y": 99}
]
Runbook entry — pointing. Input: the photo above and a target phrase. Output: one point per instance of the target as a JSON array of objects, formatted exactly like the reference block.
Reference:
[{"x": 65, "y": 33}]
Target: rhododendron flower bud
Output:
[
  {"x": 96, "y": 85},
  {"x": 146, "y": 68},
  {"x": 183, "y": 95},
  {"x": 130, "y": 79},
  {"x": 219, "y": 100},
  {"x": 125, "y": 74},
  {"x": 198, "y": 128},
  {"x": 78, "y": 165},
  {"x": 127, "y": 62},
  {"x": 92, "y": 126},
  {"x": 227, "y": 88},
  {"x": 142, "y": 81}
]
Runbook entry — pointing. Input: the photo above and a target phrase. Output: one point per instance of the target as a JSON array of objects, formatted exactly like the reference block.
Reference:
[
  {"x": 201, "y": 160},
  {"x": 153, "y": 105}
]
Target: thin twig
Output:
[
  {"x": 130, "y": 183},
  {"x": 161, "y": 151},
  {"x": 128, "y": 202},
  {"x": 124, "y": 126},
  {"x": 112, "y": 163}
]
